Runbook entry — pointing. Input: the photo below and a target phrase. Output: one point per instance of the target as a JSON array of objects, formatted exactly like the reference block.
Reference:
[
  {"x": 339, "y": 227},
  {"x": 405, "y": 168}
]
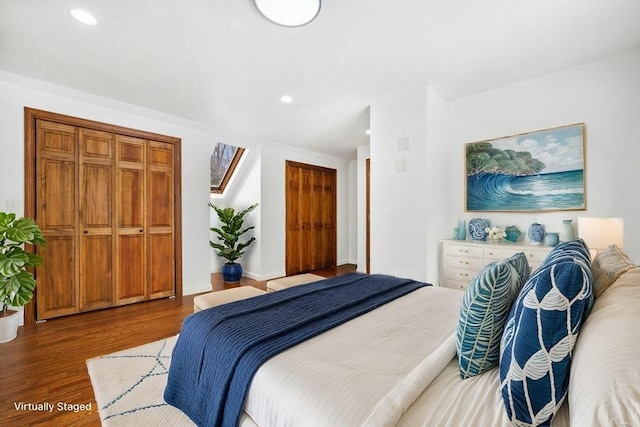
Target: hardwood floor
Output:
[{"x": 46, "y": 363}]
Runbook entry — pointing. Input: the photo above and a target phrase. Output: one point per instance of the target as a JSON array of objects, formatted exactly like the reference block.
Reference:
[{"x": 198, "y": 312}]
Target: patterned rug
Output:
[{"x": 129, "y": 385}]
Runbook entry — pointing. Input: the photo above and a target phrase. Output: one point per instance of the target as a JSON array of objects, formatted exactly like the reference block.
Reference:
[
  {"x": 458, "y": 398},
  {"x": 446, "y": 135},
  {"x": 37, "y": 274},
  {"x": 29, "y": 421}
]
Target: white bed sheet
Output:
[
  {"x": 477, "y": 401},
  {"x": 367, "y": 371}
]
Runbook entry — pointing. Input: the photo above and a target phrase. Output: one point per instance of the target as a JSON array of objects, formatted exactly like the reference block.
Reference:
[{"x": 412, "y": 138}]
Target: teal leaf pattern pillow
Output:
[
  {"x": 539, "y": 337},
  {"x": 483, "y": 314}
]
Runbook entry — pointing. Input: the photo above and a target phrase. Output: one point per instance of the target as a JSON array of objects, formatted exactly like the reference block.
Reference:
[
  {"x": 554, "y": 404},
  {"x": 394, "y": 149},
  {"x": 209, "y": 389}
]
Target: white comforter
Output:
[{"x": 367, "y": 371}]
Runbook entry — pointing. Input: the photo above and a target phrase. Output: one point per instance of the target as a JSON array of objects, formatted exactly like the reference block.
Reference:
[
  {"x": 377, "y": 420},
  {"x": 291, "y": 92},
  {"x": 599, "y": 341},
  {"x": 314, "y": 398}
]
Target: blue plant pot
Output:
[
  {"x": 232, "y": 272},
  {"x": 477, "y": 227}
]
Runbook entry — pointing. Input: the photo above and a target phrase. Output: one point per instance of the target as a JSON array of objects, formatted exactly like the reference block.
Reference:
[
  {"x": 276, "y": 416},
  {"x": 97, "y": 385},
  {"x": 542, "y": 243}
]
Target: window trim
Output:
[{"x": 229, "y": 173}]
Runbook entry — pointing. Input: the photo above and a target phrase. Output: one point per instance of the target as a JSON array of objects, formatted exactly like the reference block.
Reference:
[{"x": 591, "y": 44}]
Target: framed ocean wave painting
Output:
[{"x": 535, "y": 171}]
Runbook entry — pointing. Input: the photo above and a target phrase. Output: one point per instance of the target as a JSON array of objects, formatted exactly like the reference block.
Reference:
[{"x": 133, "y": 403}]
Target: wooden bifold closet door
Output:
[
  {"x": 107, "y": 200},
  {"x": 310, "y": 217}
]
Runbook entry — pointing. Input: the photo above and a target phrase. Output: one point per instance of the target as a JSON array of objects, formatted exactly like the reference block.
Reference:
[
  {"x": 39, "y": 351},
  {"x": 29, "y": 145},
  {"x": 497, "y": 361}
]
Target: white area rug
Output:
[{"x": 129, "y": 386}]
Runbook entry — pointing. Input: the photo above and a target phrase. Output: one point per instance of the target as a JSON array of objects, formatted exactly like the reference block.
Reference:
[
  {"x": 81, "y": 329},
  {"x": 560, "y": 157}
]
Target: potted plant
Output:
[
  {"x": 16, "y": 283},
  {"x": 230, "y": 247}
]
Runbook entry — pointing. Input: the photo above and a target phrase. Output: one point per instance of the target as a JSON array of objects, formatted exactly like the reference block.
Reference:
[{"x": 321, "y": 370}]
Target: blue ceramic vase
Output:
[
  {"x": 462, "y": 230},
  {"x": 477, "y": 227},
  {"x": 536, "y": 233},
  {"x": 512, "y": 233},
  {"x": 551, "y": 239}
]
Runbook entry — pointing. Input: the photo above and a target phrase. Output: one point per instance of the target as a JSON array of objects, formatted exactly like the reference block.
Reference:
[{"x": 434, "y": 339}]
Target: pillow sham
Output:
[
  {"x": 607, "y": 266},
  {"x": 484, "y": 312},
  {"x": 539, "y": 337}
]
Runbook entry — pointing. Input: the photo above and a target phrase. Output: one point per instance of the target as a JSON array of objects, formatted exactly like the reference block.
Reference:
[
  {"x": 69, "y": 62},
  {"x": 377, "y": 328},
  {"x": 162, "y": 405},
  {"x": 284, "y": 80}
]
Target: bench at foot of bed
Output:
[
  {"x": 213, "y": 299},
  {"x": 287, "y": 282}
]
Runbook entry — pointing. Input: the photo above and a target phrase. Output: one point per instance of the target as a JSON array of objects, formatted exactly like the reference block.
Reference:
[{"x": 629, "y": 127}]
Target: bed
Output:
[{"x": 398, "y": 363}]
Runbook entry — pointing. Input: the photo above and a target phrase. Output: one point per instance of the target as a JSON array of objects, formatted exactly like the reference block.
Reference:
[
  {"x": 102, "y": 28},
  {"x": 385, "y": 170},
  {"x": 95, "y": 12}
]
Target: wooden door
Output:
[
  {"x": 108, "y": 202},
  {"x": 160, "y": 219},
  {"x": 310, "y": 217},
  {"x": 56, "y": 214},
  {"x": 95, "y": 219},
  {"x": 131, "y": 247}
]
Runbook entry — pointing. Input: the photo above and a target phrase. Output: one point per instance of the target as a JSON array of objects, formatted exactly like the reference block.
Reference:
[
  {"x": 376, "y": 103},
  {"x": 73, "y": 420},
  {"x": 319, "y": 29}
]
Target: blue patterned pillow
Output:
[
  {"x": 539, "y": 337},
  {"x": 576, "y": 248},
  {"x": 484, "y": 312}
]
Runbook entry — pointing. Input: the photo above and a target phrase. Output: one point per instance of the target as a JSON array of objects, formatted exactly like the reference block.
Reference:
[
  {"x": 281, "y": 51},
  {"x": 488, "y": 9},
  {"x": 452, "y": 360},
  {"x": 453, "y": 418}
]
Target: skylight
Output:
[{"x": 224, "y": 160}]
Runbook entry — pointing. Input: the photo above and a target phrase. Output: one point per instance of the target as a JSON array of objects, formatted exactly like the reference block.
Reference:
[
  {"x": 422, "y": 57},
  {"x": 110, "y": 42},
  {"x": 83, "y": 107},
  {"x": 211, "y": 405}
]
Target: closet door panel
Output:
[
  {"x": 162, "y": 272},
  {"x": 56, "y": 214},
  {"x": 132, "y": 283},
  {"x": 96, "y": 219},
  {"x": 160, "y": 218},
  {"x": 55, "y": 189},
  {"x": 131, "y": 224},
  {"x": 57, "y": 293},
  {"x": 96, "y": 272}
]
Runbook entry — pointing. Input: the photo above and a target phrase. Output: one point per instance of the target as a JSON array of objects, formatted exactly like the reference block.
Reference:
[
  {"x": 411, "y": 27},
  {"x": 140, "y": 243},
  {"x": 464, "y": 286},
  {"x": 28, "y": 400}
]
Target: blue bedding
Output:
[{"x": 220, "y": 349}]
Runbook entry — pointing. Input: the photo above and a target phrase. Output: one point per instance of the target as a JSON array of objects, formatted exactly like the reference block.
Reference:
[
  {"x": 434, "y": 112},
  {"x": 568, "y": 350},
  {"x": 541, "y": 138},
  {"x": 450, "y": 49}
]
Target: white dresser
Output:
[{"x": 463, "y": 259}]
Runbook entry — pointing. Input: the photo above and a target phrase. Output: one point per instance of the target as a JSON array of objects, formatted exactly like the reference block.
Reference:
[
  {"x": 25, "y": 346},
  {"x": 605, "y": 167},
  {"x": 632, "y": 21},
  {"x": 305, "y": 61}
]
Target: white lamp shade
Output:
[{"x": 601, "y": 232}]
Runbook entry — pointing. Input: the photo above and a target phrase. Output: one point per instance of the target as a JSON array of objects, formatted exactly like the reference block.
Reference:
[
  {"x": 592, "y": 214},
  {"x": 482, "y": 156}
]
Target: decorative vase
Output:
[
  {"x": 512, "y": 233},
  {"x": 536, "y": 233},
  {"x": 567, "y": 232},
  {"x": 551, "y": 239},
  {"x": 231, "y": 272},
  {"x": 477, "y": 227},
  {"x": 462, "y": 230}
]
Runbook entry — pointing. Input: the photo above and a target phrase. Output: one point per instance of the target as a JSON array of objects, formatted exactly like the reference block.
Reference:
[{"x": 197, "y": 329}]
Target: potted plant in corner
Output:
[
  {"x": 16, "y": 283},
  {"x": 230, "y": 248}
]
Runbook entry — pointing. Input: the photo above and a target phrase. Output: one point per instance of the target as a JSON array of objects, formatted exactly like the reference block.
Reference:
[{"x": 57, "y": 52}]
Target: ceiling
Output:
[{"x": 221, "y": 63}]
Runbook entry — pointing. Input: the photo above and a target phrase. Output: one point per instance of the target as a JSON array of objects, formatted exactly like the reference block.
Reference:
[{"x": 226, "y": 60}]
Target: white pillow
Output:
[{"x": 604, "y": 386}]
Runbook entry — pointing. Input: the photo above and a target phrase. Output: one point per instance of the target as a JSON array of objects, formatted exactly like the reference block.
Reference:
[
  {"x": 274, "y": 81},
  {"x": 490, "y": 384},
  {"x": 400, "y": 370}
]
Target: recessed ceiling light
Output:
[
  {"x": 83, "y": 16},
  {"x": 289, "y": 13},
  {"x": 368, "y": 131},
  {"x": 286, "y": 99}
]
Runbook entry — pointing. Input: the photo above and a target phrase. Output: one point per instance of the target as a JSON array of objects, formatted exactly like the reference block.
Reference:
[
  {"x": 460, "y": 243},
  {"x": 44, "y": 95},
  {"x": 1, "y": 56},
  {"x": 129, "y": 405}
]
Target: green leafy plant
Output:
[
  {"x": 230, "y": 248},
  {"x": 16, "y": 283}
]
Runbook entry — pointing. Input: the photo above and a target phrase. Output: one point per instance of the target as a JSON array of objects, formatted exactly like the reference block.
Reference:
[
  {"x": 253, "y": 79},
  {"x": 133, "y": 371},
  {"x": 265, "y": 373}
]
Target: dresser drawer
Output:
[
  {"x": 493, "y": 253},
  {"x": 463, "y": 263},
  {"x": 460, "y": 274},
  {"x": 466, "y": 251},
  {"x": 533, "y": 256},
  {"x": 456, "y": 284}
]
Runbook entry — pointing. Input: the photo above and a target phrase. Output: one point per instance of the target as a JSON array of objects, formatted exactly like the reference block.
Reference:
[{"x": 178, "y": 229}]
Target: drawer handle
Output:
[
  {"x": 530, "y": 255},
  {"x": 464, "y": 274},
  {"x": 464, "y": 262},
  {"x": 464, "y": 251}
]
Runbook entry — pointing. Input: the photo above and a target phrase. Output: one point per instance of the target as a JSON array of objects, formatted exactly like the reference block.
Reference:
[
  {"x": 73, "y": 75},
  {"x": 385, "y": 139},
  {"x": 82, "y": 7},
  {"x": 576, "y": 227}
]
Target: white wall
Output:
[
  {"x": 408, "y": 131},
  {"x": 16, "y": 92},
  {"x": 605, "y": 95},
  {"x": 399, "y": 190}
]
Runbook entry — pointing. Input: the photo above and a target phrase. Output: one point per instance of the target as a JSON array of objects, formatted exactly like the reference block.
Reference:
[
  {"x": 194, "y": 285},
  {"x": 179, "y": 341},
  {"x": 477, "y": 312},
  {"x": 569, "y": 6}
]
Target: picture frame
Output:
[{"x": 542, "y": 170}]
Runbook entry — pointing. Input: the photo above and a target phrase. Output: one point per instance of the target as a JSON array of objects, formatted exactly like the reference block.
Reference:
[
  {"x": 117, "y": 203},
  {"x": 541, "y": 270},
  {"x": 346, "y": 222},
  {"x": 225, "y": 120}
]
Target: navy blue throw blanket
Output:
[{"x": 221, "y": 348}]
